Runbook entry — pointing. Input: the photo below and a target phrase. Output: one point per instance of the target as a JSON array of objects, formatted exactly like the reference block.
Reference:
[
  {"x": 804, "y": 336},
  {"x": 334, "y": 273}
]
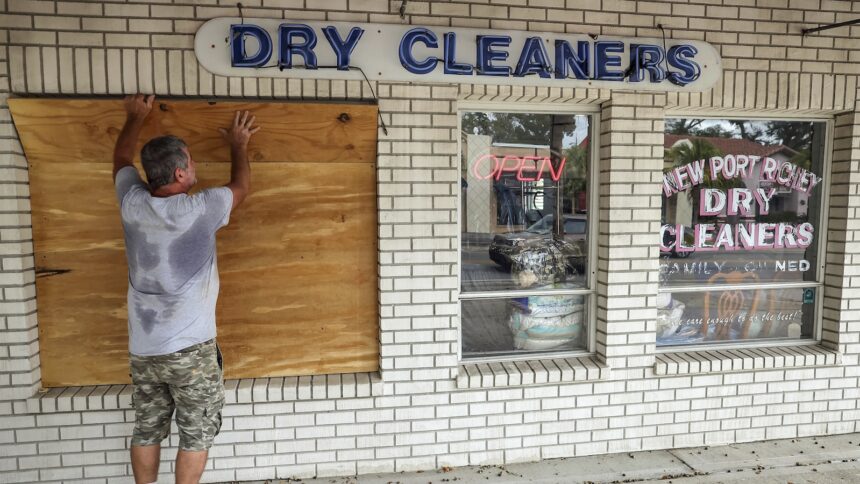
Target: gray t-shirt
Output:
[{"x": 172, "y": 268}]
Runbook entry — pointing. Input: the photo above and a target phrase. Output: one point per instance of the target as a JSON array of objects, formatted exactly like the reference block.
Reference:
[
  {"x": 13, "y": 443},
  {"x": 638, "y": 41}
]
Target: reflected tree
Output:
[
  {"x": 575, "y": 172},
  {"x": 698, "y": 149},
  {"x": 683, "y": 125},
  {"x": 520, "y": 128},
  {"x": 749, "y": 131},
  {"x": 795, "y": 135}
]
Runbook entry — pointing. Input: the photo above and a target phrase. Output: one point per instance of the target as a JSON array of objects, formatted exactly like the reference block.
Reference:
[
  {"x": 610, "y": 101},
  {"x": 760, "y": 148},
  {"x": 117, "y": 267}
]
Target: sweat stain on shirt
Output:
[
  {"x": 144, "y": 254},
  {"x": 172, "y": 264}
]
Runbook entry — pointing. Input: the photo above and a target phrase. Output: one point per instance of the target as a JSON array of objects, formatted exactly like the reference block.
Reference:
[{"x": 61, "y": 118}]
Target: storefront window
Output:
[
  {"x": 741, "y": 231},
  {"x": 524, "y": 280}
]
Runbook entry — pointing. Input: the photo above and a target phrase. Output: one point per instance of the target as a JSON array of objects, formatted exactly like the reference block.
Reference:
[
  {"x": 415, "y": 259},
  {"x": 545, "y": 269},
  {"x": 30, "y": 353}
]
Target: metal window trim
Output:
[
  {"x": 529, "y": 108},
  {"x": 593, "y": 112},
  {"x": 816, "y": 116},
  {"x": 472, "y": 296},
  {"x": 743, "y": 287},
  {"x": 528, "y": 356},
  {"x": 736, "y": 345},
  {"x": 593, "y": 226},
  {"x": 824, "y": 223},
  {"x": 824, "y": 218}
]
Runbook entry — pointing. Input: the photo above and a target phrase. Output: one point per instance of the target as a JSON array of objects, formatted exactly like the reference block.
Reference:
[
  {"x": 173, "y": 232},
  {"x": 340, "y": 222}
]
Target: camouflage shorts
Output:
[{"x": 190, "y": 381}]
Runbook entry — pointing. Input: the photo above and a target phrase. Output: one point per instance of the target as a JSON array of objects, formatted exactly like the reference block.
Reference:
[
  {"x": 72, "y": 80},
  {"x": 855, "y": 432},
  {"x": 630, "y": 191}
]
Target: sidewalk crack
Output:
[{"x": 674, "y": 453}]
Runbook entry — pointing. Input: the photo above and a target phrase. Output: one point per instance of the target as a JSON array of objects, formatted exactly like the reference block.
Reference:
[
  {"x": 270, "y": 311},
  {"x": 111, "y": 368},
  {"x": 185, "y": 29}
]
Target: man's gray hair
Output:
[{"x": 161, "y": 157}]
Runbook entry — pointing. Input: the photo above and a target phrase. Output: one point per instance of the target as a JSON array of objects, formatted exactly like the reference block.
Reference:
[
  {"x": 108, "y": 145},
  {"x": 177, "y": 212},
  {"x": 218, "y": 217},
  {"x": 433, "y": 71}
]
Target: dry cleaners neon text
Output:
[{"x": 421, "y": 51}]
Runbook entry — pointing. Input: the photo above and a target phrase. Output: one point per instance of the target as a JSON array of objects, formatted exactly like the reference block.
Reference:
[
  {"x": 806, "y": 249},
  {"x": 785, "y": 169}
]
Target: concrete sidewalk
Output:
[{"x": 818, "y": 460}]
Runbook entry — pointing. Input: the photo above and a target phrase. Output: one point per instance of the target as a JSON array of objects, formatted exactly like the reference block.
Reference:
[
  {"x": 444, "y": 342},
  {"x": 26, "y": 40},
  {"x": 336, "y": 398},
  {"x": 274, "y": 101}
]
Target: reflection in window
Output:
[
  {"x": 530, "y": 323},
  {"x": 523, "y": 230},
  {"x": 741, "y": 207},
  {"x": 750, "y": 313}
]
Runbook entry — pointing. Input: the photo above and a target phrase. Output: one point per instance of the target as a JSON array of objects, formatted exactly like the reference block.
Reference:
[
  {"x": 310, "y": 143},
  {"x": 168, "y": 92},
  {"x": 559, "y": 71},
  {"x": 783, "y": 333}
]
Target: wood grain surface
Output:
[
  {"x": 292, "y": 132},
  {"x": 298, "y": 261}
]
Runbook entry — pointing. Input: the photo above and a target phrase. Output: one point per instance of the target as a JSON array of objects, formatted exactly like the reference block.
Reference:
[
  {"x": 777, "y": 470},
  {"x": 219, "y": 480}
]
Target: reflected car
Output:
[{"x": 505, "y": 247}]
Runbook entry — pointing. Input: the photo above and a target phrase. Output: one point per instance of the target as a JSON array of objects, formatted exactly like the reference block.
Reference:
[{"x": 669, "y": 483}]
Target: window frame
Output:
[
  {"x": 593, "y": 112},
  {"x": 821, "y": 230}
]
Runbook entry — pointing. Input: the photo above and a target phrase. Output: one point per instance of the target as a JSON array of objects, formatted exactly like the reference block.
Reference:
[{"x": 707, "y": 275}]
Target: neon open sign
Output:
[{"x": 527, "y": 168}]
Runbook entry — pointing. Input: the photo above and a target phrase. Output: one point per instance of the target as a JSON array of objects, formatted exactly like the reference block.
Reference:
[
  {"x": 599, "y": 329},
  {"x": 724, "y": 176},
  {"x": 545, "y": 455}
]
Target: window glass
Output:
[
  {"x": 574, "y": 226},
  {"x": 741, "y": 196},
  {"x": 523, "y": 219},
  {"x": 752, "y": 313},
  {"x": 741, "y": 207},
  {"x": 507, "y": 326},
  {"x": 524, "y": 193}
]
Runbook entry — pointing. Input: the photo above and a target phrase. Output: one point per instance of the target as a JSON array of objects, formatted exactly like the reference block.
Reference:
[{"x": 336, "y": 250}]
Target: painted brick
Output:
[{"x": 420, "y": 265}]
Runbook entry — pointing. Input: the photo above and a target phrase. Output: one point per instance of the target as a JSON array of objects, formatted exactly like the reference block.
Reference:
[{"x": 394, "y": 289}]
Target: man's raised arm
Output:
[
  {"x": 137, "y": 107},
  {"x": 238, "y": 136}
]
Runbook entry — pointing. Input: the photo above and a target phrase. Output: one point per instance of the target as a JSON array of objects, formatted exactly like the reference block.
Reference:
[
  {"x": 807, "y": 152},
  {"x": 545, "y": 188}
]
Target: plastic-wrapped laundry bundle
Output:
[
  {"x": 669, "y": 319},
  {"x": 542, "y": 262},
  {"x": 669, "y": 314},
  {"x": 549, "y": 306},
  {"x": 547, "y": 322},
  {"x": 555, "y": 332}
]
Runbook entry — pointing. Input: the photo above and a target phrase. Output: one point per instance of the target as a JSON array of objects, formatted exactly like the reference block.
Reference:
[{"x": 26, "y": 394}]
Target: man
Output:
[{"x": 173, "y": 288}]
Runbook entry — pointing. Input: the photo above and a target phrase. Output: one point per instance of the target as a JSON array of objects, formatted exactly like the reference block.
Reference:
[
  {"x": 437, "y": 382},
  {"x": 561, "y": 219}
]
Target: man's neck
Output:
[{"x": 164, "y": 191}]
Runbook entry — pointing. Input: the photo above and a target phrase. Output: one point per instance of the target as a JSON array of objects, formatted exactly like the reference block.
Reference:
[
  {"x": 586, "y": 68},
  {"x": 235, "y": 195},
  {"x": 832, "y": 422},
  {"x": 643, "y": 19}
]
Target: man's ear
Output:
[{"x": 178, "y": 174}]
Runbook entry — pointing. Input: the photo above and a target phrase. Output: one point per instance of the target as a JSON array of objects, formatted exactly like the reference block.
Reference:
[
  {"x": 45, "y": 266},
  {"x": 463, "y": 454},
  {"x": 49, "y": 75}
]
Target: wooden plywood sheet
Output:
[
  {"x": 298, "y": 266},
  {"x": 81, "y": 275},
  {"x": 309, "y": 297},
  {"x": 50, "y": 129}
]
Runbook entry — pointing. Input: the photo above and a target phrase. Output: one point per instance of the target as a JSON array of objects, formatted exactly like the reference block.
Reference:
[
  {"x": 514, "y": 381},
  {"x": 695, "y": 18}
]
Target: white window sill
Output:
[
  {"x": 531, "y": 372},
  {"x": 246, "y": 390},
  {"x": 715, "y": 361}
]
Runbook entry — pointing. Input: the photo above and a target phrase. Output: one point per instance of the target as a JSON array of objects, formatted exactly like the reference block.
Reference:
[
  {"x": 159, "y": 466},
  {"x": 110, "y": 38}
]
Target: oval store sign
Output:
[{"x": 385, "y": 52}]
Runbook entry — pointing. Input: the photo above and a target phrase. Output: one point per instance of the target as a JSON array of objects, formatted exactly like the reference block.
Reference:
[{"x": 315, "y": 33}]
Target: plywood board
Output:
[
  {"x": 307, "y": 296},
  {"x": 298, "y": 264},
  {"x": 54, "y": 130}
]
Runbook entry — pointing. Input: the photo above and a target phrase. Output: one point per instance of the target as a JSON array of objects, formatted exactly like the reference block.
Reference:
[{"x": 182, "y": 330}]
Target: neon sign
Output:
[
  {"x": 311, "y": 49},
  {"x": 491, "y": 166},
  {"x": 491, "y": 53}
]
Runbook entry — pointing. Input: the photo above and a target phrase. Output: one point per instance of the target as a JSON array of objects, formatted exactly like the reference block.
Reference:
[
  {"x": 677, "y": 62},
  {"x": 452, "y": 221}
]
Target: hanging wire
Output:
[
  {"x": 241, "y": 21},
  {"x": 665, "y": 57},
  {"x": 373, "y": 93}
]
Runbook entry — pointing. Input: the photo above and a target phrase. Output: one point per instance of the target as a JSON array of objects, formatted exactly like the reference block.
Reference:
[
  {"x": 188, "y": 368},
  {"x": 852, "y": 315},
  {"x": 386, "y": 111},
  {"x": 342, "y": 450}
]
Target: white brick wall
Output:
[{"x": 417, "y": 417}]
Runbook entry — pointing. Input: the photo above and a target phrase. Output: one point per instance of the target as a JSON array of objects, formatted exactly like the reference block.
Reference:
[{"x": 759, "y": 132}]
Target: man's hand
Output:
[
  {"x": 138, "y": 106},
  {"x": 238, "y": 136},
  {"x": 240, "y": 132}
]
